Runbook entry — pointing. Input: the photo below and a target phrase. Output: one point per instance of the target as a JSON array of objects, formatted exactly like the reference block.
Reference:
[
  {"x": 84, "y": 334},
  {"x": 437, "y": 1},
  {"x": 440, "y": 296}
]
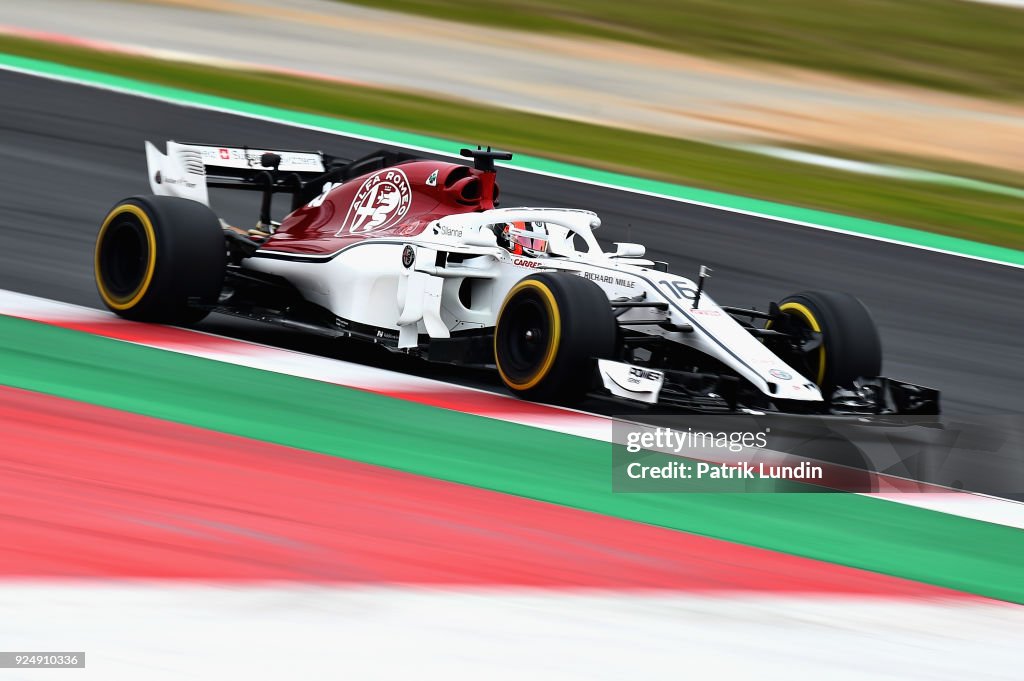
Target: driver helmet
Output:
[{"x": 519, "y": 244}]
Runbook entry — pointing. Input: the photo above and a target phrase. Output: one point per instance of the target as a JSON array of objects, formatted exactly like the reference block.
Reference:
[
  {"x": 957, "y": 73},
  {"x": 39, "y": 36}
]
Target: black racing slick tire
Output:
[
  {"x": 850, "y": 347},
  {"x": 160, "y": 259},
  {"x": 549, "y": 332}
]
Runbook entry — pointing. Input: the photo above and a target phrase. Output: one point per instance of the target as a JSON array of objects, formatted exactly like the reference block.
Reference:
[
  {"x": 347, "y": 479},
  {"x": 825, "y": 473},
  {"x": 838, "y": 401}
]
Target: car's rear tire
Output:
[
  {"x": 550, "y": 329},
  {"x": 850, "y": 347},
  {"x": 160, "y": 259}
]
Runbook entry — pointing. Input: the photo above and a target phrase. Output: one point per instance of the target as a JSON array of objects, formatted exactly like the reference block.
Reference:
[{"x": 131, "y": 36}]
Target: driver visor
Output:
[{"x": 535, "y": 241}]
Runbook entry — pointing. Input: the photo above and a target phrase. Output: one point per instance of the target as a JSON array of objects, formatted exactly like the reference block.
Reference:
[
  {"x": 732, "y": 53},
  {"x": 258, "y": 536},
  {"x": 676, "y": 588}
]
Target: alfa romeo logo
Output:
[
  {"x": 381, "y": 202},
  {"x": 408, "y": 257}
]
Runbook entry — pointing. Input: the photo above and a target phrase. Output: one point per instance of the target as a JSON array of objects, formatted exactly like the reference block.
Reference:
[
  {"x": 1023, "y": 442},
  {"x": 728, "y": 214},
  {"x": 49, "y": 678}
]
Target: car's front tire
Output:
[
  {"x": 550, "y": 329},
  {"x": 850, "y": 347},
  {"x": 160, "y": 259}
]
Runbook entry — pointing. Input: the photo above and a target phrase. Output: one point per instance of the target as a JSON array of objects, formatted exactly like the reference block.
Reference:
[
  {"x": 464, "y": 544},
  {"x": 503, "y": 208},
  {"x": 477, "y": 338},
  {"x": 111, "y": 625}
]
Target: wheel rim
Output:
[
  {"x": 123, "y": 258},
  {"x": 813, "y": 361},
  {"x": 526, "y": 338}
]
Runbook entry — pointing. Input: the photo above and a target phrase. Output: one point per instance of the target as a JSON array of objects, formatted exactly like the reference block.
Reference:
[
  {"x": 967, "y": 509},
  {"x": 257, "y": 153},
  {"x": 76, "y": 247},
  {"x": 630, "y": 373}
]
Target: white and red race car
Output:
[{"x": 413, "y": 255}]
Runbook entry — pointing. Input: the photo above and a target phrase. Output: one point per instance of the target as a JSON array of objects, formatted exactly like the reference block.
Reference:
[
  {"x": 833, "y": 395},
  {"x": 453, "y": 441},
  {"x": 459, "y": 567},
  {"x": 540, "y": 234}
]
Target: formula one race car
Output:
[{"x": 413, "y": 255}]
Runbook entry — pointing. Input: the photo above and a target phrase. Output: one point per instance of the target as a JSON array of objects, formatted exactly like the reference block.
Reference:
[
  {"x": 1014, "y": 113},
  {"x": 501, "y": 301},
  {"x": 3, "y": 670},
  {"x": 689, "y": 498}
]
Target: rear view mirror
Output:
[
  {"x": 480, "y": 237},
  {"x": 628, "y": 250}
]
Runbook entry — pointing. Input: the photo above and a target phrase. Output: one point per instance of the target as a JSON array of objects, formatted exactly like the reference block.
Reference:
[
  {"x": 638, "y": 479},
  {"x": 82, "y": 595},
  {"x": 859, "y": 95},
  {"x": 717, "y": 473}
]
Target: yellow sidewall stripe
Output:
[
  {"x": 132, "y": 299},
  {"x": 556, "y": 334}
]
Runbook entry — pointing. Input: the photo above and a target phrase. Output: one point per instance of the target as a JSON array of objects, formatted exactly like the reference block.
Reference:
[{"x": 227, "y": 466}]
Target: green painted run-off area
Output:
[{"x": 848, "y": 529}]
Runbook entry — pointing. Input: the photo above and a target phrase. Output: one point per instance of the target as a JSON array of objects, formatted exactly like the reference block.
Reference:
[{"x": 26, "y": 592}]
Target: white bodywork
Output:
[{"x": 369, "y": 283}]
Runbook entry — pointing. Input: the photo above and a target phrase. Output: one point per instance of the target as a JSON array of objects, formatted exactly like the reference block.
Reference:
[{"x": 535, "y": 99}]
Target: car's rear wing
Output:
[{"x": 189, "y": 170}]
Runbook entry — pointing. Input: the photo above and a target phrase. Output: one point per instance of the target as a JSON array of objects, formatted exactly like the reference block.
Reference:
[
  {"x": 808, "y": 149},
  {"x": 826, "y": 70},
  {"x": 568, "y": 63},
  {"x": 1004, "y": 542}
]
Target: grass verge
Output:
[
  {"x": 945, "y": 44},
  {"x": 957, "y": 212}
]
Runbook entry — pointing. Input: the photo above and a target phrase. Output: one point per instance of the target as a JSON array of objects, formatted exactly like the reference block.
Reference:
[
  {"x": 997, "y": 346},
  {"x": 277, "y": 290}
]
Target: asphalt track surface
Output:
[{"x": 69, "y": 152}]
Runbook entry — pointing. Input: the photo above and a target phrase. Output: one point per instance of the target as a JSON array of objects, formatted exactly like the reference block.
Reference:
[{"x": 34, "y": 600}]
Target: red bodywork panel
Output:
[{"x": 398, "y": 201}]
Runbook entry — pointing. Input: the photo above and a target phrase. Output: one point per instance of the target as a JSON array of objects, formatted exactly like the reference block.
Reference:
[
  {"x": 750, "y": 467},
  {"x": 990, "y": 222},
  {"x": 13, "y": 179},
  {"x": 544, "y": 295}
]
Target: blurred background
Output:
[
  {"x": 185, "y": 505},
  {"x": 906, "y": 112}
]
